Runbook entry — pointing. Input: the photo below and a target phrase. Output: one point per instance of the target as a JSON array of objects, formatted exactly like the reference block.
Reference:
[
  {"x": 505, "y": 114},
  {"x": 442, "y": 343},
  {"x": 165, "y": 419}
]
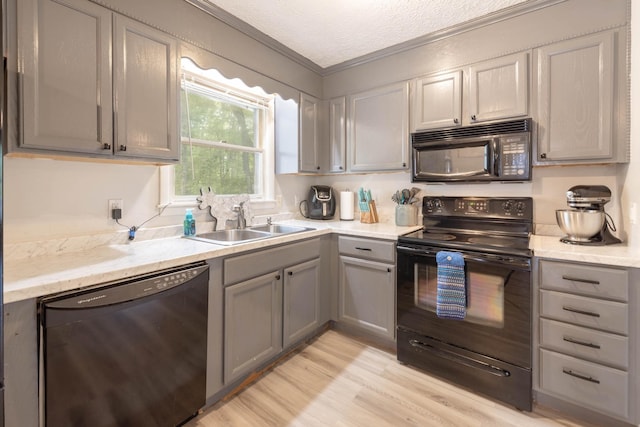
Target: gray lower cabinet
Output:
[
  {"x": 271, "y": 302},
  {"x": 301, "y": 301},
  {"x": 93, "y": 83},
  {"x": 21, "y": 358},
  {"x": 584, "y": 327},
  {"x": 366, "y": 297},
  {"x": 252, "y": 324}
]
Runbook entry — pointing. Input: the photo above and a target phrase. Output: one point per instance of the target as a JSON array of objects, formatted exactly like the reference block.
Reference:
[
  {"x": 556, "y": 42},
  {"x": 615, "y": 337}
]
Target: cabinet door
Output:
[
  {"x": 437, "y": 101},
  {"x": 301, "y": 314},
  {"x": 64, "y": 53},
  {"x": 379, "y": 129},
  {"x": 252, "y": 324},
  {"x": 498, "y": 88},
  {"x": 309, "y": 150},
  {"x": 337, "y": 134},
  {"x": 367, "y": 295},
  {"x": 575, "y": 84},
  {"x": 146, "y": 87}
]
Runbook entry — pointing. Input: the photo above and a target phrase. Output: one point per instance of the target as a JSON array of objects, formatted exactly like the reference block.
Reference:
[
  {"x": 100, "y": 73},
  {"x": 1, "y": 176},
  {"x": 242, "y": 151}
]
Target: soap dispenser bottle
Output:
[{"x": 189, "y": 224}]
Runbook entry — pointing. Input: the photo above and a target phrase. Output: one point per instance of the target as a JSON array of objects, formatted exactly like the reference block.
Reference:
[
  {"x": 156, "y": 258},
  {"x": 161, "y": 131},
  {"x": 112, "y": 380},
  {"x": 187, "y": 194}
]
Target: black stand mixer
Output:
[{"x": 587, "y": 200}]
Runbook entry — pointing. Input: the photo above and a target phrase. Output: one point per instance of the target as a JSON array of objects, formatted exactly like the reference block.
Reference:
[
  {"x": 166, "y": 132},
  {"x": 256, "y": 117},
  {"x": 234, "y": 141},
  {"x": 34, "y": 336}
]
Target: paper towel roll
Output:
[{"x": 346, "y": 205}]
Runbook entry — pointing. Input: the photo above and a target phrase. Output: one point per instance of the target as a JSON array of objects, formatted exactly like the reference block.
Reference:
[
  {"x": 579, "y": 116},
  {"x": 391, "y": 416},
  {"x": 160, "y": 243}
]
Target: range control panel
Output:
[{"x": 481, "y": 207}]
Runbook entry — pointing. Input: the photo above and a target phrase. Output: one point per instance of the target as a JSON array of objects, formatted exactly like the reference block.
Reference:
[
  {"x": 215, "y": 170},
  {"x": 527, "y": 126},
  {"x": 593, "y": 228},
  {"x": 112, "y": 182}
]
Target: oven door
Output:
[
  {"x": 472, "y": 159},
  {"x": 498, "y": 313}
]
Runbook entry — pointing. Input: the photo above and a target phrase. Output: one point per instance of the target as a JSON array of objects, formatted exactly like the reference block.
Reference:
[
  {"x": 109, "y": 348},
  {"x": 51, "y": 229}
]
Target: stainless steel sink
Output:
[
  {"x": 232, "y": 237},
  {"x": 237, "y": 236},
  {"x": 279, "y": 228}
]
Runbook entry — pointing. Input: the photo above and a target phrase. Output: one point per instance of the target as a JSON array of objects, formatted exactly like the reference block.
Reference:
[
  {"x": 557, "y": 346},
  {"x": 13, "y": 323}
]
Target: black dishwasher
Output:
[{"x": 131, "y": 353}]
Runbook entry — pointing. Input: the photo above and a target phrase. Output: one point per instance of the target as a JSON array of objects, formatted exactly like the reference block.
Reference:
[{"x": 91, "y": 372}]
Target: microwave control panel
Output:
[{"x": 515, "y": 156}]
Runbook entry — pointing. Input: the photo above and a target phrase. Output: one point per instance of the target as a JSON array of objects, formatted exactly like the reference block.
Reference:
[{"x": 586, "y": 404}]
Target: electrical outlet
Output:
[{"x": 114, "y": 204}]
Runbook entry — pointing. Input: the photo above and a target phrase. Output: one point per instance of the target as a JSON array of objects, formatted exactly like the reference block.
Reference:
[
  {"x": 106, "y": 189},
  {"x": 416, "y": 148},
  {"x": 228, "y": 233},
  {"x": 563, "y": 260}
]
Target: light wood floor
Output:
[{"x": 338, "y": 381}]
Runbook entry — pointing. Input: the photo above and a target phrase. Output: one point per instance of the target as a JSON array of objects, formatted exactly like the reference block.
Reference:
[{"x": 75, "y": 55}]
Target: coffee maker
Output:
[
  {"x": 321, "y": 204},
  {"x": 589, "y": 198}
]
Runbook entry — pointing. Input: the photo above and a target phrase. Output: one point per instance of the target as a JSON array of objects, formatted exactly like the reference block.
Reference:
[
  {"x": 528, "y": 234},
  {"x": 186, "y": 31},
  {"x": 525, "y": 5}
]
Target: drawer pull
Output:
[
  {"x": 363, "y": 249},
  {"x": 577, "y": 279},
  {"x": 586, "y": 313},
  {"x": 586, "y": 344},
  {"x": 580, "y": 376}
]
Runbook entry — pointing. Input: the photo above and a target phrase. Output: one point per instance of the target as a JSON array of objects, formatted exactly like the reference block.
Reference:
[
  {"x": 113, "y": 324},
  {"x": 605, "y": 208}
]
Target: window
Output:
[{"x": 226, "y": 135}]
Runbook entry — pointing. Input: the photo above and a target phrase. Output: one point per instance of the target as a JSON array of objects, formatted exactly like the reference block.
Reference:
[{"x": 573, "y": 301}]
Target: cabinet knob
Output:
[
  {"x": 277, "y": 277},
  {"x": 388, "y": 270},
  {"x": 340, "y": 168},
  {"x": 290, "y": 273},
  {"x": 123, "y": 148},
  {"x": 473, "y": 117},
  {"x": 317, "y": 167},
  {"x": 404, "y": 165},
  {"x": 456, "y": 121},
  {"x": 106, "y": 146},
  {"x": 543, "y": 155}
]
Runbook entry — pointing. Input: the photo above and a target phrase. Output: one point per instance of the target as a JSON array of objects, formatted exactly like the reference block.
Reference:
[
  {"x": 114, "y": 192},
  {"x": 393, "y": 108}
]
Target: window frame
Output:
[{"x": 265, "y": 136}]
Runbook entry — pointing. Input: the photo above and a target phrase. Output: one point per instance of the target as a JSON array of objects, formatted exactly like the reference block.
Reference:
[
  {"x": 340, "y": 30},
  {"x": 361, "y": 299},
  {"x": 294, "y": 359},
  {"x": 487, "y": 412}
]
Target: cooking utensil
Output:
[{"x": 406, "y": 196}]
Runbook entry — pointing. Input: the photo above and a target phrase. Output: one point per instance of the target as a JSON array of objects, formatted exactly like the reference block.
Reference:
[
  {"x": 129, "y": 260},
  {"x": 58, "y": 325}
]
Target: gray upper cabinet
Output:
[
  {"x": 309, "y": 155},
  {"x": 378, "y": 122},
  {"x": 65, "y": 76},
  {"x": 146, "y": 92},
  {"x": 298, "y": 135},
  {"x": 490, "y": 90},
  {"x": 337, "y": 134},
  {"x": 498, "y": 89},
  {"x": 437, "y": 101},
  {"x": 80, "y": 68},
  {"x": 575, "y": 100}
]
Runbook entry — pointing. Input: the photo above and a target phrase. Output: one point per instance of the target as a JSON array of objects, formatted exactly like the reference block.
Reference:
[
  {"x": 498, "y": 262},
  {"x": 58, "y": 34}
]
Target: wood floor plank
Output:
[{"x": 341, "y": 382}]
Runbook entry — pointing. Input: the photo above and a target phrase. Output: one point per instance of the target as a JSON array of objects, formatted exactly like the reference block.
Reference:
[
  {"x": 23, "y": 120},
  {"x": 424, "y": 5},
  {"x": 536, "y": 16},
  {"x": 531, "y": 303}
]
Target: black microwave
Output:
[{"x": 498, "y": 151}]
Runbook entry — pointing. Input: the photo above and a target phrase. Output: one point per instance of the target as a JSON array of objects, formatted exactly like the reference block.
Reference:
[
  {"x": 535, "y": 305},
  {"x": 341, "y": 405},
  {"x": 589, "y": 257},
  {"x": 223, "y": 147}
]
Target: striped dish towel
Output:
[{"x": 452, "y": 293}]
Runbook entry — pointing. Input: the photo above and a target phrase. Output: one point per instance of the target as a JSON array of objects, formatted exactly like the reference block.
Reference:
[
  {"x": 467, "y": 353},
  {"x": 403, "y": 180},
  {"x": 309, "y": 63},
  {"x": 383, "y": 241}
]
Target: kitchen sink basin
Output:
[
  {"x": 232, "y": 237},
  {"x": 279, "y": 228},
  {"x": 237, "y": 236}
]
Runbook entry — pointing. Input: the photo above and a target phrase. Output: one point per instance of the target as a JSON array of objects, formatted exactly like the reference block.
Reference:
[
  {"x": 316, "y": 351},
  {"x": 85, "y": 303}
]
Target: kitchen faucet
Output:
[{"x": 241, "y": 221}]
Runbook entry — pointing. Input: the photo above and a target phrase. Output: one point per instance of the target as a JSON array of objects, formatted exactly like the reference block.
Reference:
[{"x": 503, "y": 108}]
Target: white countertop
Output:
[
  {"x": 618, "y": 255},
  {"x": 41, "y": 275}
]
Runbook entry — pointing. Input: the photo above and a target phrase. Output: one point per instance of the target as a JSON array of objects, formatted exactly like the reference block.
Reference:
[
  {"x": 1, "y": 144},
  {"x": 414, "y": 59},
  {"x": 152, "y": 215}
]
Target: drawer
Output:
[
  {"x": 597, "y": 346},
  {"x": 591, "y": 280},
  {"x": 588, "y": 384},
  {"x": 253, "y": 264},
  {"x": 380, "y": 250},
  {"x": 605, "y": 315}
]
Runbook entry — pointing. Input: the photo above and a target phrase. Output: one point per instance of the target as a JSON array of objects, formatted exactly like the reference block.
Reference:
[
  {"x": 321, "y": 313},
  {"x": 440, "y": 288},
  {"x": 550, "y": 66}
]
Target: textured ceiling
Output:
[{"x": 329, "y": 32}]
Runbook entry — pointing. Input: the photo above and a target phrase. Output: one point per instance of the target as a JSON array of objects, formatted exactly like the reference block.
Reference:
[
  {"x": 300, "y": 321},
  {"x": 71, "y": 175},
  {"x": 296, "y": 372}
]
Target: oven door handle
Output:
[
  {"x": 522, "y": 263},
  {"x": 463, "y": 360}
]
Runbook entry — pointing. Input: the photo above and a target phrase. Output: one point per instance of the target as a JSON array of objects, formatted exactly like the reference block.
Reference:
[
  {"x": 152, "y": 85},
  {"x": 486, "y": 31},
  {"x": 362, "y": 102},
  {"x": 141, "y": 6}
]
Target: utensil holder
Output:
[{"x": 406, "y": 215}]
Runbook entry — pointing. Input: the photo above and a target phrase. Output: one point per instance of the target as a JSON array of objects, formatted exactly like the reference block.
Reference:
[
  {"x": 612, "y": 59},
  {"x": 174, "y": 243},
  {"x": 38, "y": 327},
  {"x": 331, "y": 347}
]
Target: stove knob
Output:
[
  {"x": 428, "y": 204},
  {"x": 521, "y": 207},
  {"x": 507, "y": 205},
  {"x": 437, "y": 204}
]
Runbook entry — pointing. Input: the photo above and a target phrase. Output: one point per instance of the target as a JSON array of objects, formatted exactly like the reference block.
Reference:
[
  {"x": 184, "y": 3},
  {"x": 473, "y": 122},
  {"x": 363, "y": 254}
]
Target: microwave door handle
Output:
[{"x": 494, "y": 158}]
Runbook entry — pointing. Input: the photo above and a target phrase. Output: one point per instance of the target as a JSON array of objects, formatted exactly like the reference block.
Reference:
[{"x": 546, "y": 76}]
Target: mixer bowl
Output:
[{"x": 580, "y": 225}]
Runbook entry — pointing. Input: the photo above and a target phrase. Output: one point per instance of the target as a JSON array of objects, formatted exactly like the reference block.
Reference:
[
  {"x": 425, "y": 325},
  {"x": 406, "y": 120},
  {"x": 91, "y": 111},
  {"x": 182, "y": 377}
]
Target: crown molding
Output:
[{"x": 254, "y": 33}]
